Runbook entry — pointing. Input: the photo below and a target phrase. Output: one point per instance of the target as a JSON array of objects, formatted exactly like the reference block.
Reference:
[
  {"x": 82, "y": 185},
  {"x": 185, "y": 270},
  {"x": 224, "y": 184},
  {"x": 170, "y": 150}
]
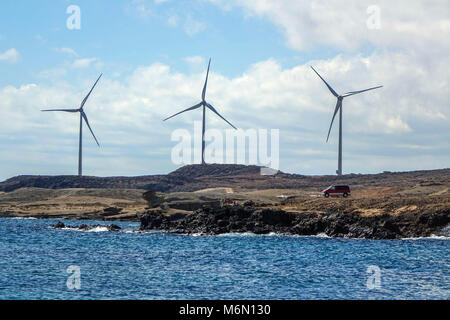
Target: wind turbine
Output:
[
  {"x": 340, "y": 98},
  {"x": 82, "y": 116},
  {"x": 205, "y": 105}
]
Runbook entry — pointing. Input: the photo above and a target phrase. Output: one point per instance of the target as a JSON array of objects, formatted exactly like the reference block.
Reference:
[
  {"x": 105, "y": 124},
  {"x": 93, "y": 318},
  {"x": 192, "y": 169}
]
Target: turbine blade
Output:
[
  {"x": 87, "y": 122},
  {"x": 329, "y": 87},
  {"x": 215, "y": 111},
  {"x": 85, "y": 99},
  {"x": 351, "y": 93},
  {"x": 63, "y": 110},
  {"x": 188, "y": 109},
  {"x": 338, "y": 105},
  {"x": 206, "y": 81}
]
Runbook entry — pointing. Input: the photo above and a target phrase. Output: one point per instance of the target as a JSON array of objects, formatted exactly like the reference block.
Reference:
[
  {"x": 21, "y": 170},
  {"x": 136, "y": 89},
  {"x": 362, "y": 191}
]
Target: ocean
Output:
[{"x": 38, "y": 262}]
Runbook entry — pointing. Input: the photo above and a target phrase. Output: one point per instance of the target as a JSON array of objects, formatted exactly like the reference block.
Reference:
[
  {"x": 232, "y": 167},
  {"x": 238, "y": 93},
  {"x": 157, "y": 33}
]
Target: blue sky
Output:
[
  {"x": 153, "y": 55},
  {"x": 124, "y": 37}
]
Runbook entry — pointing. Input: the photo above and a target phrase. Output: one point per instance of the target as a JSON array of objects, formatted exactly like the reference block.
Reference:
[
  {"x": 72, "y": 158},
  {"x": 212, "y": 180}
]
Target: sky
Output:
[{"x": 153, "y": 55}]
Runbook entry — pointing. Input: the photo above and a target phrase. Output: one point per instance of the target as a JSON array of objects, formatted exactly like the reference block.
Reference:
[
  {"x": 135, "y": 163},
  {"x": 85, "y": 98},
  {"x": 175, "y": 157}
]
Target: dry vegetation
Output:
[
  {"x": 72, "y": 202},
  {"x": 392, "y": 193}
]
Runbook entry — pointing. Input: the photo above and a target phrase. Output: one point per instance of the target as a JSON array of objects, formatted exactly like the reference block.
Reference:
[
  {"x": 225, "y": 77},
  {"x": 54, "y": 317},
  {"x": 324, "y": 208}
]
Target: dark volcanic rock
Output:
[
  {"x": 197, "y": 177},
  {"x": 85, "y": 227},
  {"x": 240, "y": 219},
  {"x": 59, "y": 225},
  {"x": 114, "y": 227},
  {"x": 112, "y": 211},
  {"x": 153, "y": 200}
]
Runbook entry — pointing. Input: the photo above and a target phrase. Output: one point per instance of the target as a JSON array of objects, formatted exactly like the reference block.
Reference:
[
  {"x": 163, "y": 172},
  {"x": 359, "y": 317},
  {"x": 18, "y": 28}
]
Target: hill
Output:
[{"x": 197, "y": 177}]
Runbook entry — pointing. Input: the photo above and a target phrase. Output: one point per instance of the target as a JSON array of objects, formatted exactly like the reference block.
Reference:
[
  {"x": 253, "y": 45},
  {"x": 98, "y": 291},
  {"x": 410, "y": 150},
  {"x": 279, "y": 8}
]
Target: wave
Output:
[
  {"x": 432, "y": 237},
  {"x": 322, "y": 235},
  {"x": 251, "y": 234},
  {"x": 244, "y": 234},
  {"x": 317, "y": 236},
  {"x": 137, "y": 231},
  {"x": 272, "y": 234},
  {"x": 98, "y": 229},
  {"x": 237, "y": 234}
]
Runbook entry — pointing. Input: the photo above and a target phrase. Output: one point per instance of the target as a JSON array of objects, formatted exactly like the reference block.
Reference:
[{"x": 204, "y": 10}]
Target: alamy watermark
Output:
[
  {"x": 374, "y": 20},
  {"x": 374, "y": 280},
  {"x": 74, "y": 280},
  {"x": 250, "y": 147},
  {"x": 73, "y": 22}
]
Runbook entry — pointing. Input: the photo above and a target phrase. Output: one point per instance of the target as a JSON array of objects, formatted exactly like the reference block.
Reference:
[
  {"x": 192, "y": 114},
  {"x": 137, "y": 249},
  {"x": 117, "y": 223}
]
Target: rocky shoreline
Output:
[
  {"x": 85, "y": 227},
  {"x": 218, "y": 199},
  {"x": 250, "y": 219}
]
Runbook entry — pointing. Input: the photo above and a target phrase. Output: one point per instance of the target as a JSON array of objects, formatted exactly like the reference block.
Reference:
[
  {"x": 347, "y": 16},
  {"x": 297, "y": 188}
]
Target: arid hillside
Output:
[
  {"x": 391, "y": 193},
  {"x": 239, "y": 177}
]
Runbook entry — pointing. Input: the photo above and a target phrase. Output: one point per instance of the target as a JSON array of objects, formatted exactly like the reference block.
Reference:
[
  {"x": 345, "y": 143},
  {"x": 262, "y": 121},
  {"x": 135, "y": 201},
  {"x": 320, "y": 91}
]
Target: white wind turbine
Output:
[
  {"x": 82, "y": 117},
  {"x": 340, "y": 98},
  {"x": 205, "y": 105}
]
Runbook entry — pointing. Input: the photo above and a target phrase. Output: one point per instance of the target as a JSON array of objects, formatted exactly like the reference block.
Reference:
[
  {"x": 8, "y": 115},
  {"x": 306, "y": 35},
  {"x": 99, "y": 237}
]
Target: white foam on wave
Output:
[
  {"x": 137, "y": 231},
  {"x": 433, "y": 236},
  {"x": 322, "y": 235},
  {"x": 23, "y": 218},
  {"x": 98, "y": 229},
  {"x": 237, "y": 234},
  {"x": 197, "y": 235},
  {"x": 66, "y": 228},
  {"x": 251, "y": 234}
]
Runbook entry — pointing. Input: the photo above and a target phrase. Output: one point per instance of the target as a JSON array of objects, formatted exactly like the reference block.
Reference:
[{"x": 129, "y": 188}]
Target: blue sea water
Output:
[{"x": 127, "y": 265}]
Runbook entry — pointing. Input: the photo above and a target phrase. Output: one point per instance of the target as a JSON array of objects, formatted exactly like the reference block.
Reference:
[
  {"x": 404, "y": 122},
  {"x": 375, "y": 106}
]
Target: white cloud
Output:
[
  {"x": 343, "y": 24},
  {"x": 83, "y": 63},
  {"x": 142, "y": 8},
  {"x": 195, "y": 60},
  {"x": 11, "y": 55},
  {"x": 193, "y": 26},
  {"x": 126, "y": 115},
  {"x": 172, "y": 21},
  {"x": 402, "y": 126},
  {"x": 68, "y": 51}
]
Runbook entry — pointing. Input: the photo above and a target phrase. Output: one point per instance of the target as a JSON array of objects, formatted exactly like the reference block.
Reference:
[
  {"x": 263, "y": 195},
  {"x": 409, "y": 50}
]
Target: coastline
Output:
[
  {"x": 250, "y": 219},
  {"x": 217, "y": 201}
]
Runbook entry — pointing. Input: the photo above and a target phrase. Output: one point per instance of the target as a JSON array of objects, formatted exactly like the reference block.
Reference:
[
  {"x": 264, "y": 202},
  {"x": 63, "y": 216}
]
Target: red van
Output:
[{"x": 336, "y": 191}]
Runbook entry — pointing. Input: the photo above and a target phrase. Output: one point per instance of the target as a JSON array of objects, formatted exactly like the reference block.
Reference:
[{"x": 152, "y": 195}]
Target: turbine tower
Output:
[
  {"x": 340, "y": 98},
  {"x": 205, "y": 105},
  {"x": 82, "y": 117}
]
